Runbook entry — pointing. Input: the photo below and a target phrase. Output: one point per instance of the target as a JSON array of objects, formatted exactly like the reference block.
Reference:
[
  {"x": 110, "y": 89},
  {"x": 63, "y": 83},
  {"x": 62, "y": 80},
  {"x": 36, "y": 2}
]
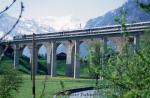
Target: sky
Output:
[{"x": 80, "y": 9}]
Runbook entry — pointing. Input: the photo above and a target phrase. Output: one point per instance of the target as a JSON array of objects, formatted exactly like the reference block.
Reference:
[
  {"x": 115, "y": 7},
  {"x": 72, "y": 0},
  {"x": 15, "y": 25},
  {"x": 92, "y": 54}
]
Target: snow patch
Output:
[{"x": 62, "y": 23}]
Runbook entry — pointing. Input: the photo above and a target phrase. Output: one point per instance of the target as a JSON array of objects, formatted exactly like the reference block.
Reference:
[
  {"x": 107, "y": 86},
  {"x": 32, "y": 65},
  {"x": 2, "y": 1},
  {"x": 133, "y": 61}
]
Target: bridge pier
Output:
[
  {"x": 69, "y": 60},
  {"x": 53, "y": 59},
  {"x": 1, "y": 50},
  {"x": 136, "y": 42},
  {"x": 49, "y": 59},
  {"x": 16, "y": 56},
  {"x": 36, "y": 57},
  {"x": 104, "y": 50},
  {"x": 76, "y": 59}
]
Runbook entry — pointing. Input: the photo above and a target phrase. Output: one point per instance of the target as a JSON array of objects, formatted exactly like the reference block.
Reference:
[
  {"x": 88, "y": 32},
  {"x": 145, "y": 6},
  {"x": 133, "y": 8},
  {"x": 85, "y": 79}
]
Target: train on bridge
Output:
[{"x": 141, "y": 26}]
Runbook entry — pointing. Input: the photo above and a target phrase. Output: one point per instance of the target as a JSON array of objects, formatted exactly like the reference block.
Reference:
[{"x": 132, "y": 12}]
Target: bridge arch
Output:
[
  {"x": 84, "y": 48},
  {"x": 25, "y": 51},
  {"x": 25, "y": 54},
  {"x": 42, "y": 59},
  {"x": 83, "y": 53},
  {"x": 61, "y": 54}
]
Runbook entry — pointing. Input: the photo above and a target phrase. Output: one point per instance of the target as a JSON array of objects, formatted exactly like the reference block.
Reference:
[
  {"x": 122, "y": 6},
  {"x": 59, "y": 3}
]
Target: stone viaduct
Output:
[{"x": 72, "y": 41}]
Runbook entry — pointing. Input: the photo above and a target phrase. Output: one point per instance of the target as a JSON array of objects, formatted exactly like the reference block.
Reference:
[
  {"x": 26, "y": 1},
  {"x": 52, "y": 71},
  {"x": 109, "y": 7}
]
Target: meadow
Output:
[{"x": 53, "y": 85}]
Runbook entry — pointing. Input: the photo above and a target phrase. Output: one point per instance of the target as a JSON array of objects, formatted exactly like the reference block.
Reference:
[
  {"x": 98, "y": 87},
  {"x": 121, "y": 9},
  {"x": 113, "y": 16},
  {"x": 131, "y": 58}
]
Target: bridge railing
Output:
[{"x": 98, "y": 30}]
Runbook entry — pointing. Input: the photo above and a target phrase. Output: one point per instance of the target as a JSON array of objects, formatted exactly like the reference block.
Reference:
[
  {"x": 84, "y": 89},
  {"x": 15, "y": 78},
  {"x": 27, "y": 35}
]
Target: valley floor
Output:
[{"x": 52, "y": 86}]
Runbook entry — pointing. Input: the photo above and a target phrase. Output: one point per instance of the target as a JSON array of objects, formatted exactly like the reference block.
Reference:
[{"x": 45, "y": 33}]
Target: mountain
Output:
[
  {"x": 62, "y": 23},
  {"x": 25, "y": 26},
  {"x": 30, "y": 26},
  {"x": 43, "y": 25},
  {"x": 6, "y": 22},
  {"x": 134, "y": 14}
]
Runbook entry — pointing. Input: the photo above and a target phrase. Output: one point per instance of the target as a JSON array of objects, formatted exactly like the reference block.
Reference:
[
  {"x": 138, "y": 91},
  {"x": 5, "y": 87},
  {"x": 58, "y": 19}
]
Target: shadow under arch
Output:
[
  {"x": 42, "y": 59},
  {"x": 61, "y": 59},
  {"x": 84, "y": 48},
  {"x": 25, "y": 60}
]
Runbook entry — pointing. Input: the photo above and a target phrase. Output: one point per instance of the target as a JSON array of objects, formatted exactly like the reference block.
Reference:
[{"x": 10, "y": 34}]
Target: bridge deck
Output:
[{"x": 97, "y": 32}]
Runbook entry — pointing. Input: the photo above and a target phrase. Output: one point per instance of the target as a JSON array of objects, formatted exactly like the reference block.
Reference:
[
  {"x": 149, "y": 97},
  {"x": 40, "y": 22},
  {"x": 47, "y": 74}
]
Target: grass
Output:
[
  {"x": 25, "y": 67},
  {"x": 52, "y": 86}
]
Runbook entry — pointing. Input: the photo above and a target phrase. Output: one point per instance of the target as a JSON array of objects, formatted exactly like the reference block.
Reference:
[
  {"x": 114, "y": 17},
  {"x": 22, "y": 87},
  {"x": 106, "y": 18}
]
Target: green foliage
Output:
[
  {"x": 62, "y": 85},
  {"x": 143, "y": 6},
  {"x": 121, "y": 19},
  {"x": 10, "y": 81},
  {"x": 128, "y": 71},
  {"x": 65, "y": 92},
  {"x": 44, "y": 86},
  {"x": 95, "y": 61}
]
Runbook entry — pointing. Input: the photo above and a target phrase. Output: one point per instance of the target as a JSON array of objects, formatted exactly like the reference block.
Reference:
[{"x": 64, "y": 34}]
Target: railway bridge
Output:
[{"x": 72, "y": 40}]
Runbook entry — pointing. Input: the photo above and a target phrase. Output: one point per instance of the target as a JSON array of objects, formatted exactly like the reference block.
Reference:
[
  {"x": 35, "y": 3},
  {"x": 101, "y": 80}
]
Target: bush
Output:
[{"x": 10, "y": 81}]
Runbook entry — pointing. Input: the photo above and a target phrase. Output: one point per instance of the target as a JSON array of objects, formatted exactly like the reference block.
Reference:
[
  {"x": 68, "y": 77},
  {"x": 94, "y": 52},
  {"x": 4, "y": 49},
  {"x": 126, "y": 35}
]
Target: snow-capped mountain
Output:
[
  {"x": 30, "y": 26},
  {"x": 62, "y": 23},
  {"x": 25, "y": 26},
  {"x": 44, "y": 25}
]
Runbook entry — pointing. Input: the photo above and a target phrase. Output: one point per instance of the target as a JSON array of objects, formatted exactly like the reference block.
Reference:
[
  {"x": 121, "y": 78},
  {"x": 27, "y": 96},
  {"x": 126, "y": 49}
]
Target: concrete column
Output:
[
  {"x": 30, "y": 48},
  {"x": 104, "y": 45},
  {"x": 69, "y": 60},
  {"x": 53, "y": 59},
  {"x": 36, "y": 57},
  {"x": 103, "y": 48},
  {"x": 16, "y": 56},
  {"x": 31, "y": 58},
  {"x": 103, "y": 52},
  {"x": 48, "y": 59},
  {"x": 1, "y": 50},
  {"x": 136, "y": 42},
  {"x": 76, "y": 60}
]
